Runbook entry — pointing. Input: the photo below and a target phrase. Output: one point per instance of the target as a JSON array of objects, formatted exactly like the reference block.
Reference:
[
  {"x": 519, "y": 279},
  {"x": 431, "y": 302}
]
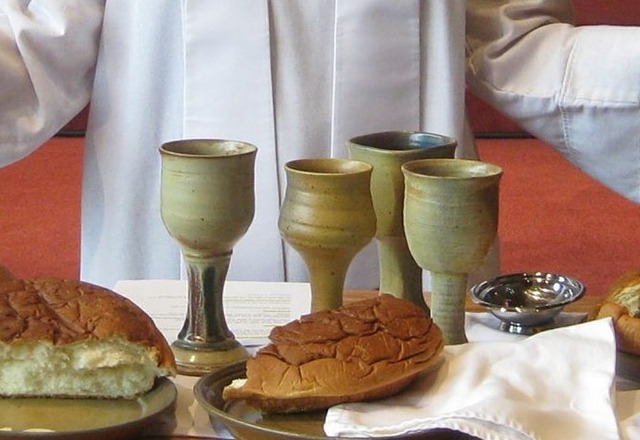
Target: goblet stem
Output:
[
  {"x": 448, "y": 305},
  {"x": 205, "y": 341},
  {"x": 327, "y": 273},
  {"x": 400, "y": 275},
  {"x": 205, "y": 324}
]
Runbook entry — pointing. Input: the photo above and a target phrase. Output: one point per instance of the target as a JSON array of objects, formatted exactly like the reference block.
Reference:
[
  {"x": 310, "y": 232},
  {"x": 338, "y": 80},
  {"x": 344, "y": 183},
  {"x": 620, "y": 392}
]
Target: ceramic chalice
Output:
[
  {"x": 451, "y": 220},
  {"x": 400, "y": 275},
  {"x": 207, "y": 205},
  {"x": 327, "y": 216}
]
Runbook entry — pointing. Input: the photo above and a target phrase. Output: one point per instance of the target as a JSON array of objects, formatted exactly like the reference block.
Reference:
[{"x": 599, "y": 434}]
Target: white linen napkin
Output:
[{"x": 556, "y": 384}]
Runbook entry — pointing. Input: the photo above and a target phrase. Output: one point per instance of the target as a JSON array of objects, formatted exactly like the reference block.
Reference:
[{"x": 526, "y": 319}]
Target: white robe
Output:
[
  {"x": 575, "y": 87},
  {"x": 295, "y": 77}
]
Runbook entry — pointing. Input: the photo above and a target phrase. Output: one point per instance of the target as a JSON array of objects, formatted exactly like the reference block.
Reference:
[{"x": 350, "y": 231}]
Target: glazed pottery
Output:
[
  {"x": 327, "y": 216},
  {"x": 451, "y": 221},
  {"x": 400, "y": 275},
  {"x": 207, "y": 205}
]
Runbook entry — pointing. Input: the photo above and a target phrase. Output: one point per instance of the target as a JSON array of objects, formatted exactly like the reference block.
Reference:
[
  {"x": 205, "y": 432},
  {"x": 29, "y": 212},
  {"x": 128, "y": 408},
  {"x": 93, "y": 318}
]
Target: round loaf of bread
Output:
[
  {"x": 64, "y": 338},
  {"x": 363, "y": 351},
  {"x": 622, "y": 303}
]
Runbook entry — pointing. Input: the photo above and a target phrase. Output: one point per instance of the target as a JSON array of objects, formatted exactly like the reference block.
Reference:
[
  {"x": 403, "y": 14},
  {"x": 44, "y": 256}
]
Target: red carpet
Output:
[
  {"x": 40, "y": 206},
  {"x": 552, "y": 216},
  {"x": 555, "y": 218}
]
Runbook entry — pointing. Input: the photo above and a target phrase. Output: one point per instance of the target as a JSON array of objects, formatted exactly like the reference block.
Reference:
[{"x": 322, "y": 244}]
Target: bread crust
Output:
[
  {"x": 621, "y": 304},
  {"x": 66, "y": 311},
  {"x": 367, "y": 350}
]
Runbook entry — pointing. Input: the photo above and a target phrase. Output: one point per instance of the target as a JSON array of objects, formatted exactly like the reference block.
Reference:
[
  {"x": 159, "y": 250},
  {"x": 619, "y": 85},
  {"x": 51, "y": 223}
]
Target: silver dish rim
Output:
[{"x": 577, "y": 288}]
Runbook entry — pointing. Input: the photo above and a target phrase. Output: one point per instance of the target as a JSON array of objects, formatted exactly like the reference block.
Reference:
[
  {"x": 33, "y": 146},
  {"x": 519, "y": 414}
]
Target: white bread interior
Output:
[
  {"x": 622, "y": 304},
  {"x": 69, "y": 339},
  {"x": 107, "y": 369}
]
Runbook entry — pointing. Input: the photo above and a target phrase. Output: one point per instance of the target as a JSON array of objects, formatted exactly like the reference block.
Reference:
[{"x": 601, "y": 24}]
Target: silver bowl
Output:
[{"x": 527, "y": 302}]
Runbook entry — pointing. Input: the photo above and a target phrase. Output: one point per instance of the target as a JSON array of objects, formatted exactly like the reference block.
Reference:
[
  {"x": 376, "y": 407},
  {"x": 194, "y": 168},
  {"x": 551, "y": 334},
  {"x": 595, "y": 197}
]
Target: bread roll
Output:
[
  {"x": 622, "y": 303},
  {"x": 367, "y": 350},
  {"x": 70, "y": 339}
]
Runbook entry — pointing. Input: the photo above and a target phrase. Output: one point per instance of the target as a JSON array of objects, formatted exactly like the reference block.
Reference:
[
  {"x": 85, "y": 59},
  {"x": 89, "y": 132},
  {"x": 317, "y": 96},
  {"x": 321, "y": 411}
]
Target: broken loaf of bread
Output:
[
  {"x": 366, "y": 350},
  {"x": 622, "y": 304},
  {"x": 70, "y": 339}
]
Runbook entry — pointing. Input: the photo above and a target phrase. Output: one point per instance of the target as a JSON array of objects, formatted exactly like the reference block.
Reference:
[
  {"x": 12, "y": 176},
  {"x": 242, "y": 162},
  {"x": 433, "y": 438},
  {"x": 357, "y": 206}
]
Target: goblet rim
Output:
[
  {"x": 476, "y": 168},
  {"x": 373, "y": 141},
  {"x": 220, "y": 148},
  {"x": 328, "y": 166}
]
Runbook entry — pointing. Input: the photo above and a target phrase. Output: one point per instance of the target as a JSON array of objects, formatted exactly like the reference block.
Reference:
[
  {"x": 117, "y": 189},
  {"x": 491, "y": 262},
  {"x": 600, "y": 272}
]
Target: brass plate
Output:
[
  {"x": 247, "y": 423},
  {"x": 628, "y": 367},
  {"x": 80, "y": 419}
]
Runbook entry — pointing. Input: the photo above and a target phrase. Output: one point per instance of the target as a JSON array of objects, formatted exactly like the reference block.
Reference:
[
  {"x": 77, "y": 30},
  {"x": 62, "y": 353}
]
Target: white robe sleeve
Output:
[
  {"x": 48, "y": 50},
  {"x": 575, "y": 87}
]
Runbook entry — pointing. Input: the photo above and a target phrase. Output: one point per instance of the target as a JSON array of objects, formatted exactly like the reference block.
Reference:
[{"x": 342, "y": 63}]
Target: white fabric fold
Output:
[
  {"x": 556, "y": 384},
  {"x": 228, "y": 94}
]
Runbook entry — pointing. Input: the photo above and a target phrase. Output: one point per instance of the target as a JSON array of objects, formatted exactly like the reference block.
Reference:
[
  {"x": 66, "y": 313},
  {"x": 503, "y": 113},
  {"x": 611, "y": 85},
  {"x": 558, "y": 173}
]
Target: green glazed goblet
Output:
[
  {"x": 451, "y": 221},
  {"x": 327, "y": 216},
  {"x": 400, "y": 275},
  {"x": 207, "y": 205}
]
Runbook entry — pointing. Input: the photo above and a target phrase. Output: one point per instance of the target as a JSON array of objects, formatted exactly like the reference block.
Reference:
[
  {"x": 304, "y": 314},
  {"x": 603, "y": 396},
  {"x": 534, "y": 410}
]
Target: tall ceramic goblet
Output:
[
  {"x": 327, "y": 217},
  {"x": 207, "y": 205},
  {"x": 400, "y": 275},
  {"x": 451, "y": 220}
]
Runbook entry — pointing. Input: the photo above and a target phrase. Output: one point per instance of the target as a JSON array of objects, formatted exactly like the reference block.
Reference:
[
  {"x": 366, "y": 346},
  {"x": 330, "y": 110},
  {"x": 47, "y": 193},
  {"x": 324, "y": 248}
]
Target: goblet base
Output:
[{"x": 198, "y": 362}]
